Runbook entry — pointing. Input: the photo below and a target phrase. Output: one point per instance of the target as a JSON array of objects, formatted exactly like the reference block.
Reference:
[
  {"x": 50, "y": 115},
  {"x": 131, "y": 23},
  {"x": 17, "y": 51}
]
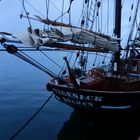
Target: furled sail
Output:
[
  {"x": 74, "y": 35},
  {"x": 66, "y": 36}
]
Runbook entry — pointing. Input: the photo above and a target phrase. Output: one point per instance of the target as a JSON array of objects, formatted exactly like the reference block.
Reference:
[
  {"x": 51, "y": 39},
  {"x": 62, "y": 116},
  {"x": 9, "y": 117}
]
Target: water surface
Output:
[{"x": 22, "y": 92}]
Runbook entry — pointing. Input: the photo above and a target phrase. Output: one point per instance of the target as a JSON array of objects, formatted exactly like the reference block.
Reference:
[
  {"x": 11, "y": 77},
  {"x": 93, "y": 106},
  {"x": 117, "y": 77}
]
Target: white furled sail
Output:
[{"x": 74, "y": 35}]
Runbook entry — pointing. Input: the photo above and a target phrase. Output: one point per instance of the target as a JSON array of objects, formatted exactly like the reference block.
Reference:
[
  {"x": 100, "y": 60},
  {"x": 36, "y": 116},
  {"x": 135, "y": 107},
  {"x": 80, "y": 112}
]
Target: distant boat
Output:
[{"x": 112, "y": 82}]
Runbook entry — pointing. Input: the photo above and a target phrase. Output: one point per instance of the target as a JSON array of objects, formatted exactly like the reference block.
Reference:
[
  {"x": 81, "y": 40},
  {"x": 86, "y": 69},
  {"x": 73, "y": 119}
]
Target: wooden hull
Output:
[{"x": 96, "y": 100}]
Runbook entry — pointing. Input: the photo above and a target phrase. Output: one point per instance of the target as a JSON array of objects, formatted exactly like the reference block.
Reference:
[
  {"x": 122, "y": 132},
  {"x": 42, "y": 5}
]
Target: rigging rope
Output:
[
  {"x": 51, "y": 59},
  {"x": 14, "y": 50},
  {"x": 134, "y": 21},
  {"x": 63, "y": 13},
  {"x": 35, "y": 63},
  {"x": 27, "y": 14},
  {"x": 32, "y": 117},
  {"x": 132, "y": 26},
  {"x": 108, "y": 17},
  {"x": 95, "y": 59},
  {"x": 27, "y": 2},
  {"x": 62, "y": 10}
]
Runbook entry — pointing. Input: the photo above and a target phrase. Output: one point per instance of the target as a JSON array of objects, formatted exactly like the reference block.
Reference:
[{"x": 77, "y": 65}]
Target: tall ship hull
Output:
[
  {"x": 92, "y": 61},
  {"x": 94, "y": 99}
]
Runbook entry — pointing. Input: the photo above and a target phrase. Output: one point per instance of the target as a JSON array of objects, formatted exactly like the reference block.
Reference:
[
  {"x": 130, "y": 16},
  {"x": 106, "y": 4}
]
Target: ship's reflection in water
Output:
[{"x": 101, "y": 126}]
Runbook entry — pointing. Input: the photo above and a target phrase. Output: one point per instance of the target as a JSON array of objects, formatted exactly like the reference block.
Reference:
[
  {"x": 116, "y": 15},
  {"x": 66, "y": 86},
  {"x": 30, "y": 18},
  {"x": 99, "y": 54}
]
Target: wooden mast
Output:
[{"x": 117, "y": 32}]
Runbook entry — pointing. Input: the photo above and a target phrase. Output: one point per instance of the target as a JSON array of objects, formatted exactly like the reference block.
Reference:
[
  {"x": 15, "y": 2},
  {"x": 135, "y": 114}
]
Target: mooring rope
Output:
[{"x": 30, "y": 119}]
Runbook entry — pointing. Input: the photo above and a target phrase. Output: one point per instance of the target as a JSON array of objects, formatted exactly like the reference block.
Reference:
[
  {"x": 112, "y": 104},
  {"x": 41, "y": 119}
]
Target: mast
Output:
[{"x": 117, "y": 32}]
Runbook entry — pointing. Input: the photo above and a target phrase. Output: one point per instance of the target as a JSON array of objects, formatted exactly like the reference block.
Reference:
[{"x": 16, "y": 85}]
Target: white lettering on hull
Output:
[{"x": 78, "y": 99}]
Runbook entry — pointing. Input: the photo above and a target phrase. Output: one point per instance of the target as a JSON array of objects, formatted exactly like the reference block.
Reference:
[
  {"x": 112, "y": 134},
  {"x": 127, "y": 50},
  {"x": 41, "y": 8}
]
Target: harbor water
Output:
[{"x": 22, "y": 93}]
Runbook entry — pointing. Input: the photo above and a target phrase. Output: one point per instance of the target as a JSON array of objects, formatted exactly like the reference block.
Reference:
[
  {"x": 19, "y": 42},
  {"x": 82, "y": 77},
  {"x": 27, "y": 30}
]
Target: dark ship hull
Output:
[{"x": 88, "y": 99}]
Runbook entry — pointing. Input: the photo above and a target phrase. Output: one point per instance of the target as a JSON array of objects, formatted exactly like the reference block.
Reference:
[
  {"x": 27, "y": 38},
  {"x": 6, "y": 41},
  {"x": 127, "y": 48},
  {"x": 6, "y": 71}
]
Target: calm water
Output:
[{"x": 22, "y": 92}]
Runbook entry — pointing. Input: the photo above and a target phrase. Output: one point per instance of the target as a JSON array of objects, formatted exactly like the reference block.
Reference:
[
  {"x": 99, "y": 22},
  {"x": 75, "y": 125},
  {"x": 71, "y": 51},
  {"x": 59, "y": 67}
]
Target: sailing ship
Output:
[{"x": 104, "y": 71}]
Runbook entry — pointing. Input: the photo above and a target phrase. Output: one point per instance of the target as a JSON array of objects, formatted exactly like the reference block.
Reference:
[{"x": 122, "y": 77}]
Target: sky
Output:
[
  {"x": 9, "y": 15},
  {"x": 11, "y": 9}
]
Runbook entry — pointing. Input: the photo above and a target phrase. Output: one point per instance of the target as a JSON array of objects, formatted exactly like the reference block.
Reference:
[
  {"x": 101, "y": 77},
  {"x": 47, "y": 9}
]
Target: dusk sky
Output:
[{"x": 11, "y": 9}]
